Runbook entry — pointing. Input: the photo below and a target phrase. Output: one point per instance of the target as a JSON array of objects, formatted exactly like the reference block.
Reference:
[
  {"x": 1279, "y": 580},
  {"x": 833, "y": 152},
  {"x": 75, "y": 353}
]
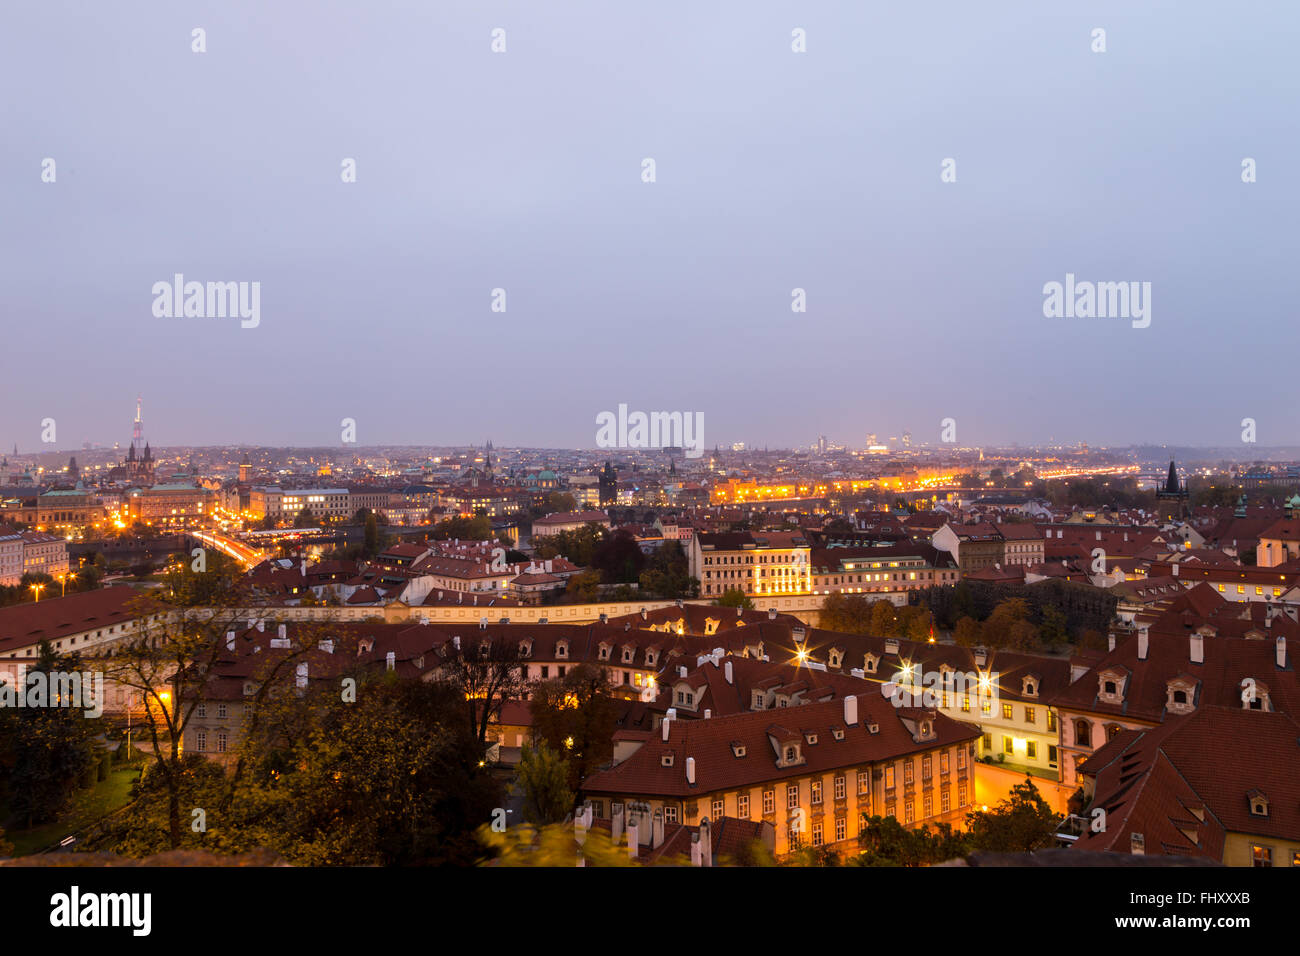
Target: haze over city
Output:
[{"x": 522, "y": 171}]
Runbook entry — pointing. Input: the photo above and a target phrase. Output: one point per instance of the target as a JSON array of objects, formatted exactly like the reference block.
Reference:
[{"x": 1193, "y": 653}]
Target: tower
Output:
[
  {"x": 1174, "y": 492},
  {"x": 608, "y": 485},
  {"x": 245, "y": 470}
]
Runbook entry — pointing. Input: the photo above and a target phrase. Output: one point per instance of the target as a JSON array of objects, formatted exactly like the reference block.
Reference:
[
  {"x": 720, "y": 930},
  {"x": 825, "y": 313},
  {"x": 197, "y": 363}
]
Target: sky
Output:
[{"x": 522, "y": 170}]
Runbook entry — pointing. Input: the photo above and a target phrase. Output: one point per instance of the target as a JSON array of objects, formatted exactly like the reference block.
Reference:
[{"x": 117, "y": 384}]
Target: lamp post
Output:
[{"x": 36, "y": 589}]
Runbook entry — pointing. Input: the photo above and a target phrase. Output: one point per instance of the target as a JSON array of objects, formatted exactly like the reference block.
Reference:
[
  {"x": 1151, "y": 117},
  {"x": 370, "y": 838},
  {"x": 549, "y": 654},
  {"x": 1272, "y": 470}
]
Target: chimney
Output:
[
  {"x": 644, "y": 614},
  {"x": 771, "y": 614},
  {"x": 633, "y": 839},
  {"x": 604, "y": 619},
  {"x": 727, "y": 672},
  {"x": 1281, "y": 652},
  {"x": 230, "y": 640},
  {"x": 327, "y": 645},
  {"x": 657, "y": 830},
  {"x": 300, "y": 677},
  {"x": 681, "y": 671},
  {"x": 616, "y": 822},
  {"x": 1197, "y": 642},
  {"x": 282, "y": 632},
  {"x": 708, "y": 712},
  {"x": 1137, "y": 844},
  {"x": 706, "y": 842},
  {"x": 455, "y": 642},
  {"x": 1175, "y": 569},
  {"x": 981, "y": 656},
  {"x": 666, "y": 721},
  {"x": 261, "y": 624},
  {"x": 696, "y": 858},
  {"x": 1110, "y": 641},
  {"x": 690, "y": 770},
  {"x": 1144, "y": 635},
  {"x": 851, "y": 710},
  {"x": 390, "y": 660}
]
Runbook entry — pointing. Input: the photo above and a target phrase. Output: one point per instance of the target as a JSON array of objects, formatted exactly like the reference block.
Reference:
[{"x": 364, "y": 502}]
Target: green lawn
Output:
[{"x": 86, "y": 807}]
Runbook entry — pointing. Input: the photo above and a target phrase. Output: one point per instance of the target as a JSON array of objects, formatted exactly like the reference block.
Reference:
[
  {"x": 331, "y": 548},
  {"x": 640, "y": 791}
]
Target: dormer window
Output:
[
  {"x": 1254, "y": 695},
  {"x": 1110, "y": 688},
  {"x": 525, "y": 648},
  {"x": 602, "y": 652},
  {"x": 811, "y": 738},
  {"x": 758, "y": 700},
  {"x": 1029, "y": 687},
  {"x": 791, "y": 754},
  {"x": 1181, "y": 698},
  {"x": 927, "y": 728},
  {"x": 737, "y": 749},
  {"x": 483, "y": 649},
  {"x": 628, "y": 653},
  {"x": 835, "y": 656},
  {"x": 837, "y": 733},
  {"x": 870, "y": 663},
  {"x": 650, "y": 658},
  {"x": 562, "y": 649},
  {"x": 666, "y": 760},
  {"x": 1258, "y": 804}
]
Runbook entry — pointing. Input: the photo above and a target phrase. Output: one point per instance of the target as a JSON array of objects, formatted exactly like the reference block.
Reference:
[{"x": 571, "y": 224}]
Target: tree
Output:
[
  {"x": 372, "y": 536},
  {"x": 477, "y": 528},
  {"x": 884, "y": 619},
  {"x": 46, "y": 747},
  {"x": 846, "y": 613},
  {"x": 618, "y": 557},
  {"x": 734, "y": 597},
  {"x": 304, "y": 518},
  {"x": 575, "y": 715},
  {"x": 886, "y": 842},
  {"x": 544, "y": 776},
  {"x": 967, "y": 632},
  {"x": 1020, "y": 824},
  {"x": 584, "y": 586},
  {"x": 488, "y": 673}
]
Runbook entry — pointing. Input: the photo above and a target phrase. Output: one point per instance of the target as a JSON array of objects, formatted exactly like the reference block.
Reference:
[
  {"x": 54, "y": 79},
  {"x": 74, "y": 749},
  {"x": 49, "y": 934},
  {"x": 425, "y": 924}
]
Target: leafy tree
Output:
[
  {"x": 575, "y": 715},
  {"x": 734, "y": 597},
  {"x": 846, "y": 613},
  {"x": 584, "y": 586},
  {"x": 886, "y": 842},
  {"x": 46, "y": 751},
  {"x": 372, "y": 535},
  {"x": 477, "y": 528},
  {"x": 551, "y": 846},
  {"x": 216, "y": 585},
  {"x": 1019, "y": 824},
  {"x": 967, "y": 632},
  {"x": 544, "y": 776},
  {"x": 618, "y": 557}
]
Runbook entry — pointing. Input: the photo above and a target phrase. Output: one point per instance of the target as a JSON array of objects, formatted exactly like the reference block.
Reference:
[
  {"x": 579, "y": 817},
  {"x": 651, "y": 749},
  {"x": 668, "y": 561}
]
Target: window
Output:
[
  {"x": 201, "y": 710},
  {"x": 889, "y": 778},
  {"x": 717, "y": 807},
  {"x": 817, "y": 834},
  {"x": 791, "y": 796},
  {"x": 670, "y": 814},
  {"x": 987, "y": 708},
  {"x": 201, "y": 741},
  {"x": 1083, "y": 733},
  {"x": 1030, "y": 714},
  {"x": 841, "y": 828},
  {"x": 816, "y": 791},
  {"x": 864, "y": 781},
  {"x": 943, "y": 762},
  {"x": 742, "y": 806},
  {"x": 1006, "y": 712},
  {"x": 909, "y": 812},
  {"x": 1007, "y": 744},
  {"x": 945, "y": 800},
  {"x": 1261, "y": 855},
  {"x": 965, "y": 705},
  {"x": 769, "y": 801},
  {"x": 987, "y": 743},
  {"x": 1051, "y": 720},
  {"x": 929, "y": 804},
  {"x": 961, "y": 757},
  {"x": 961, "y": 794},
  {"x": 908, "y": 772},
  {"x": 839, "y": 787},
  {"x": 925, "y": 767},
  {"x": 221, "y": 742},
  {"x": 1052, "y": 754},
  {"x": 1031, "y": 749},
  {"x": 221, "y": 710}
]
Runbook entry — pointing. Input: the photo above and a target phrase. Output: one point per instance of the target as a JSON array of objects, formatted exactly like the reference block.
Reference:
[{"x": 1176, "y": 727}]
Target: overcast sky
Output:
[{"x": 522, "y": 170}]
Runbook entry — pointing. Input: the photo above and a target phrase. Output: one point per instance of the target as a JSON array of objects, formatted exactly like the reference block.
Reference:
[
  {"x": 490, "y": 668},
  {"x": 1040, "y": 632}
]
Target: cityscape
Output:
[{"x": 723, "y": 437}]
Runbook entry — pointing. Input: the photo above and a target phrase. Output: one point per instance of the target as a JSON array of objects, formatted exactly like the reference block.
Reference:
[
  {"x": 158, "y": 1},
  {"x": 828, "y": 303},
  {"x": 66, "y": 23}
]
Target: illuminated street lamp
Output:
[{"x": 36, "y": 589}]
